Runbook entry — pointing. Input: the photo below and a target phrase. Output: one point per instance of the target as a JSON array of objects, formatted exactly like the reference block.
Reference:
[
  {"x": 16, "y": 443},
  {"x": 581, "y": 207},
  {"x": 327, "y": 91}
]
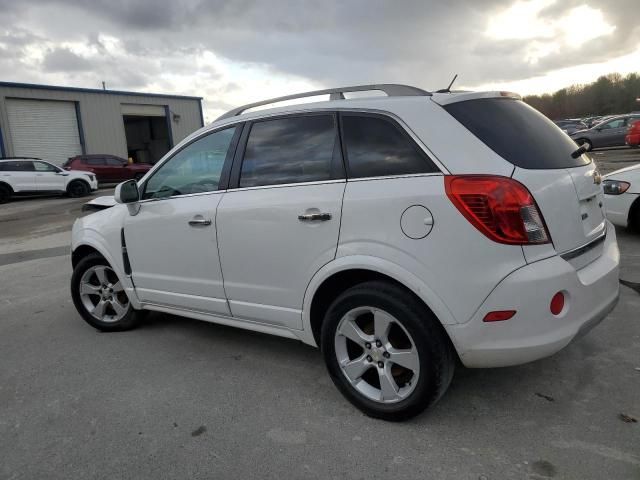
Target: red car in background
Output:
[
  {"x": 108, "y": 168},
  {"x": 633, "y": 135}
]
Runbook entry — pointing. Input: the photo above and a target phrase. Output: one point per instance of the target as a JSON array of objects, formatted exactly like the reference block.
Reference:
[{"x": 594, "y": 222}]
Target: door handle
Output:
[
  {"x": 198, "y": 221},
  {"x": 314, "y": 217}
]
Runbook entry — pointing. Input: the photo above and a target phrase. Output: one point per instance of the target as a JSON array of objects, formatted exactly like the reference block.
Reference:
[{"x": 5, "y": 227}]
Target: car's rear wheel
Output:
[
  {"x": 385, "y": 351},
  {"x": 586, "y": 142},
  {"x": 5, "y": 194},
  {"x": 78, "y": 188},
  {"x": 99, "y": 296}
]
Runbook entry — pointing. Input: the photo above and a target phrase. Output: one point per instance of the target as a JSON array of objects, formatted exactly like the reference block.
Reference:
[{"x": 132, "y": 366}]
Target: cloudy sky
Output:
[{"x": 236, "y": 51}]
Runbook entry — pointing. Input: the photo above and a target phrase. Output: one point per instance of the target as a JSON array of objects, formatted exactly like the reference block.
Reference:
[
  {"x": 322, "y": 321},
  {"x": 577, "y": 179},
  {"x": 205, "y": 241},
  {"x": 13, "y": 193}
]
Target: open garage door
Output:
[
  {"x": 43, "y": 129},
  {"x": 147, "y": 130}
]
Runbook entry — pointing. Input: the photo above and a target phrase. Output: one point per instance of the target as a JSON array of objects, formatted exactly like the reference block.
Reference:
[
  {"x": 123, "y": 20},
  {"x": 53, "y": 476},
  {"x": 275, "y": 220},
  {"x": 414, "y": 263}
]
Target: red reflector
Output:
[
  {"x": 557, "y": 303},
  {"x": 499, "y": 315}
]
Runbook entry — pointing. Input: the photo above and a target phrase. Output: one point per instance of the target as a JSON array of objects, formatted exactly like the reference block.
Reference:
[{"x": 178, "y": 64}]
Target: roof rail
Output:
[{"x": 391, "y": 89}]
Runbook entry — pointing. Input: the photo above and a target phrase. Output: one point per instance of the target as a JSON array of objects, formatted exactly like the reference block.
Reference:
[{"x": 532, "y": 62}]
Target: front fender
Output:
[
  {"x": 379, "y": 265},
  {"x": 103, "y": 235}
]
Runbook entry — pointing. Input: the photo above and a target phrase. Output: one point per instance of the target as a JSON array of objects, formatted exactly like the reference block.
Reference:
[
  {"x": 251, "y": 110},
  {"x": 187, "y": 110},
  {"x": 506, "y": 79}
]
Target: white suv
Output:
[
  {"x": 397, "y": 233},
  {"x": 33, "y": 176}
]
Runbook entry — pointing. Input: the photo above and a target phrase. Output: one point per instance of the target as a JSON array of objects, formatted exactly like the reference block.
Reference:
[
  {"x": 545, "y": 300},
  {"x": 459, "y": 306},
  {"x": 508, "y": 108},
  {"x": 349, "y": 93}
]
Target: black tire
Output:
[
  {"x": 585, "y": 141},
  {"x": 130, "y": 320},
  {"x": 5, "y": 194},
  {"x": 634, "y": 216},
  {"x": 436, "y": 357},
  {"x": 78, "y": 188}
]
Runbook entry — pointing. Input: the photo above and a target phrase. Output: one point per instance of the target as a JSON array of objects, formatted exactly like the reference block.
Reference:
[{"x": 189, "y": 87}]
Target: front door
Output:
[
  {"x": 48, "y": 177},
  {"x": 279, "y": 222},
  {"x": 611, "y": 133},
  {"x": 171, "y": 241}
]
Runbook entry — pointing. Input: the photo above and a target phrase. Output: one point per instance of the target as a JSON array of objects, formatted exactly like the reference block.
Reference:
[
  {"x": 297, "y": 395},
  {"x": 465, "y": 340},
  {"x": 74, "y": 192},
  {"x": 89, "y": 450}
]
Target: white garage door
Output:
[{"x": 44, "y": 129}]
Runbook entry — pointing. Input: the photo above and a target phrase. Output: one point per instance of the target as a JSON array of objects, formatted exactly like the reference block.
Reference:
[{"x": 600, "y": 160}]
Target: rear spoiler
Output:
[{"x": 453, "y": 97}]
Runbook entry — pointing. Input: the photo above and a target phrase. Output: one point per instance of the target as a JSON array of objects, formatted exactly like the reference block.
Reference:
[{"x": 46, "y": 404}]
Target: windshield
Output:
[{"x": 517, "y": 132}]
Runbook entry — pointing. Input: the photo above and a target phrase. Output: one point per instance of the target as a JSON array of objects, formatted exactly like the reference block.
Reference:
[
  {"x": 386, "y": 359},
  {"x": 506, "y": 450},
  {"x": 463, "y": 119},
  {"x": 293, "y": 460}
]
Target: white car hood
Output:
[
  {"x": 100, "y": 203},
  {"x": 632, "y": 169}
]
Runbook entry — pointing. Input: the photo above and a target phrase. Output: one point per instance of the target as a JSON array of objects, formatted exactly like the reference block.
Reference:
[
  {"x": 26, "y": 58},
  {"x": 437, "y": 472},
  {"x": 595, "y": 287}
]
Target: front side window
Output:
[
  {"x": 44, "y": 167},
  {"x": 194, "y": 169},
  {"x": 619, "y": 123},
  {"x": 376, "y": 147},
  {"x": 289, "y": 150},
  {"x": 114, "y": 162},
  {"x": 95, "y": 161}
]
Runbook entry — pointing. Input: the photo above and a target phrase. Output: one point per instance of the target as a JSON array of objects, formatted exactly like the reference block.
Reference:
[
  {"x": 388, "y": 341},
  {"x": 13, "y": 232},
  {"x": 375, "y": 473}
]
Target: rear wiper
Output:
[{"x": 584, "y": 148}]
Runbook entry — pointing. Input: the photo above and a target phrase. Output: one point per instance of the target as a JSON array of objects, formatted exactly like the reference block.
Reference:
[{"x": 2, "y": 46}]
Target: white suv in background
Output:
[
  {"x": 32, "y": 176},
  {"x": 396, "y": 233}
]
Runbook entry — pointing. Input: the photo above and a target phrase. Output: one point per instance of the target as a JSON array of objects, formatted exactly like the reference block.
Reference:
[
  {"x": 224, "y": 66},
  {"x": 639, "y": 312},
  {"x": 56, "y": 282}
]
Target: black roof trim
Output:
[{"x": 36, "y": 86}]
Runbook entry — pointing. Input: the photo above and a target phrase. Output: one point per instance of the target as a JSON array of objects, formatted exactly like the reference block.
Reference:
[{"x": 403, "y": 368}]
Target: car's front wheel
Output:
[
  {"x": 99, "y": 296},
  {"x": 385, "y": 351},
  {"x": 78, "y": 188},
  {"x": 5, "y": 194}
]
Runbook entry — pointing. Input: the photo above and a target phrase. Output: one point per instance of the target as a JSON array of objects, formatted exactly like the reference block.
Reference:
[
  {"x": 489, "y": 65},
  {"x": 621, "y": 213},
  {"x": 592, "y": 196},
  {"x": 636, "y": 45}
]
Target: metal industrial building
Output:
[{"x": 55, "y": 123}]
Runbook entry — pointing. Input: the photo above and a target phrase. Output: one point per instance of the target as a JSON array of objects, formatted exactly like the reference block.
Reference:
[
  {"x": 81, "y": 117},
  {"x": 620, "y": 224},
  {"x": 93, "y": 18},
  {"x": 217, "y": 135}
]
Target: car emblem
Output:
[{"x": 597, "y": 178}]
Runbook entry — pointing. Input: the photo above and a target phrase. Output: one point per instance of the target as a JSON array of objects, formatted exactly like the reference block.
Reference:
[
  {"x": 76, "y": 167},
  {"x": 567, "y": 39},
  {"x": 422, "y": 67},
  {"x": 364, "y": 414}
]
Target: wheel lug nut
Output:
[
  {"x": 378, "y": 343},
  {"x": 386, "y": 355},
  {"x": 369, "y": 358},
  {"x": 367, "y": 345},
  {"x": 380, "y": 364}
]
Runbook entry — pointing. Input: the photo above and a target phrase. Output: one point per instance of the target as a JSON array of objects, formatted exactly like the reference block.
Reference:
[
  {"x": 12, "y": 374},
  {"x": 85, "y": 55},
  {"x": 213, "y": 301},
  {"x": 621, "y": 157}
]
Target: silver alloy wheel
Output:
[
  {"x": 369, "y": 340},
  {"x": 102, "y": 294}
]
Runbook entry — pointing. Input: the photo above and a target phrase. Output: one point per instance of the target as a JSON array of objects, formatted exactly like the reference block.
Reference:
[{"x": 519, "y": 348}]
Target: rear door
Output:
[
  {"x": 21, "y": 175},
  {"x": 116, "y": 169},
  {"x": 279, "y": 222},
  {"x": 566, "y": 189}
]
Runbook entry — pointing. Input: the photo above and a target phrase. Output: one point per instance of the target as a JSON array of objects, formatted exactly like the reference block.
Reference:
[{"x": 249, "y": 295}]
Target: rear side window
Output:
[
  {"x": 517, "y": 132},
  {"x": 290, "y": 150},
  {"x": 114, "y": 162},
  {"x": 94, "y": 161},
  {"x": 17, "y": 166},
  {"x": 377, "y": 147}
]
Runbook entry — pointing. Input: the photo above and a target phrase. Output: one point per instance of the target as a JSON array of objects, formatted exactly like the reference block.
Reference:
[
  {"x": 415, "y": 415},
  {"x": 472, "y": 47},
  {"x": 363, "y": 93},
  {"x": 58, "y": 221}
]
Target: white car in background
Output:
[
  {"x": 622, "y": 197},
  {"x": 33, "y": 176},
  {"x": 396, "y": 233}
]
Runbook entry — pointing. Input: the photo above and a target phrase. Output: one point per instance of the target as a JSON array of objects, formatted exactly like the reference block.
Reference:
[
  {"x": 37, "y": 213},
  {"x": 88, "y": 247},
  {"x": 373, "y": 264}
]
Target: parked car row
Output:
[
  {"x": 34, "y": 176},
  {"x": 609, "y": 133}
]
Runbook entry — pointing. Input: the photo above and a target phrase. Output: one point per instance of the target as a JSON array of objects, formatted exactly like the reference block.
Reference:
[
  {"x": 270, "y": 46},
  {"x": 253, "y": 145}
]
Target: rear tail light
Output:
[
  {"x": 500, "y": 207},
  {"x": 499, "y": 315}
]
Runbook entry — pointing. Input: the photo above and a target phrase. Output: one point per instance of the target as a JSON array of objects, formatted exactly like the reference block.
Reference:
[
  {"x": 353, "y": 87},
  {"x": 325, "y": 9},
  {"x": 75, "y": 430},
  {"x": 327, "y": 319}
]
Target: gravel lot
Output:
[{"x": 184, "y": 399}]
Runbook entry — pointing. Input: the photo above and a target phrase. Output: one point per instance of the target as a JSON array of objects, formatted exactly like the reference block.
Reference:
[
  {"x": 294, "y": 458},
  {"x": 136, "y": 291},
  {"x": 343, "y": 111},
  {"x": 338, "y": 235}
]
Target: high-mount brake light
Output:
[{"x": 500, "y": 207}]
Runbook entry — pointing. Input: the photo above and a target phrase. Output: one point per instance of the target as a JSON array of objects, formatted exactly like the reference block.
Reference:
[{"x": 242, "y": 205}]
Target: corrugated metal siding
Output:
[
  {"x": 101, "y": 116},
  {"x": 43, "y": 129}
]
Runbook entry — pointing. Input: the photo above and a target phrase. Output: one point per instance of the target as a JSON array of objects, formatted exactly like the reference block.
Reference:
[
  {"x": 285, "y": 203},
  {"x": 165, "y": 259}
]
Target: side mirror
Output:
[{"x": 127, "y": 192}]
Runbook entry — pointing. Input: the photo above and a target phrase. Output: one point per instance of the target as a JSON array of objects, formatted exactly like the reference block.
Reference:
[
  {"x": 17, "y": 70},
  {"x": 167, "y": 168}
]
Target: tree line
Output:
[{"x": 609, "y": 94}]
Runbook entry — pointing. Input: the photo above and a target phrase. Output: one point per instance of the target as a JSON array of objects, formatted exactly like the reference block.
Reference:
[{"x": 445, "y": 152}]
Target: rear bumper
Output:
[{"x": 534, "y": 332}]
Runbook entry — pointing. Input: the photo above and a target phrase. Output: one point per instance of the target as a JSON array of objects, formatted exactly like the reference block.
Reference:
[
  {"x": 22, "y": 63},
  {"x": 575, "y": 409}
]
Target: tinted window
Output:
[
  {"x": 18, "y": 166},
  {"x": 377, "y": 147},
  {"x": 289, "y": 150},
  {"x": 114, "y": 162},
  {"x": 517, "y": 132},
  {"x": 44, "y": 167},
  {"x": 194, "y": 169},
  {"x": 94, "y": 161}
]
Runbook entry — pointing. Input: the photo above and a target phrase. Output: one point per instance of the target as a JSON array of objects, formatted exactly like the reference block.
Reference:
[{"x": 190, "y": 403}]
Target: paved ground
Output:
[{"x": 186, "y": 399}]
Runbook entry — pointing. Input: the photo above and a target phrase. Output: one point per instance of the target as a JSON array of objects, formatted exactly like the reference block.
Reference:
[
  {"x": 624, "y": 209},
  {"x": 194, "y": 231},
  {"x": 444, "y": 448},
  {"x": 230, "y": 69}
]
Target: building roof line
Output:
[{"x": 36, "y": 86}]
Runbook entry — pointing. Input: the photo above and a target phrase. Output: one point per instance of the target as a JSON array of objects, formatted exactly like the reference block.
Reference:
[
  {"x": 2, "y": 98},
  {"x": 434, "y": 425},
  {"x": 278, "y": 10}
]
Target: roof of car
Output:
[{"x": 19, "y": 158}]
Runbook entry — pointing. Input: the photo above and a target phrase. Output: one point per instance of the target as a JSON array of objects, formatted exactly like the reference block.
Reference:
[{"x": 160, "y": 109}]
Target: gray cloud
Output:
[{"x": 331, "y": 43}]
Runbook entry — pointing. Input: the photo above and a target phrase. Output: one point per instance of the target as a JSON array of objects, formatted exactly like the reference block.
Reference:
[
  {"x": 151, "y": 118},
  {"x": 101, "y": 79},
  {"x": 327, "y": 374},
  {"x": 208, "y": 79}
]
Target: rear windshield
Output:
[{"x": 517, "y": 132}]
